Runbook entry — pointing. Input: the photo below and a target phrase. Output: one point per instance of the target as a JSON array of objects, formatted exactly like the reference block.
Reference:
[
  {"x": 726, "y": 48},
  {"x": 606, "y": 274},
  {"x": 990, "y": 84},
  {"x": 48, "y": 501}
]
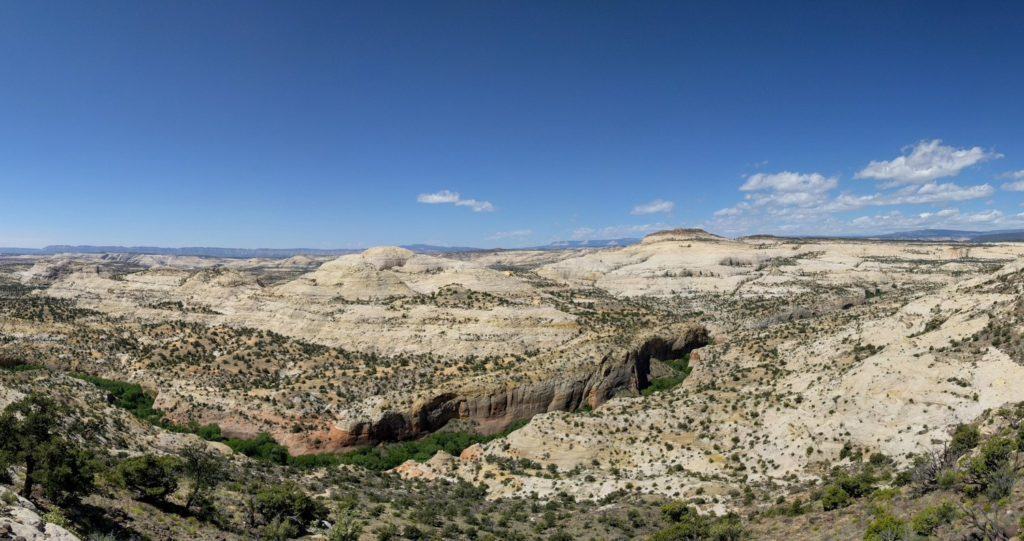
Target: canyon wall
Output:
[{"x": 494, "y": 410}]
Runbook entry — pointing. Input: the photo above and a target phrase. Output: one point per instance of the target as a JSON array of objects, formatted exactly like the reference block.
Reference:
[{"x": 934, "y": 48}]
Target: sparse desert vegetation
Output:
[{"x": 687, "y": 387}]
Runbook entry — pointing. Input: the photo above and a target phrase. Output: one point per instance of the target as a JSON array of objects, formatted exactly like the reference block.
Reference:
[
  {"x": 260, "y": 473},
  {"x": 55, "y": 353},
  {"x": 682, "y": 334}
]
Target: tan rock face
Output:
[{"x": 21, "y": 520}]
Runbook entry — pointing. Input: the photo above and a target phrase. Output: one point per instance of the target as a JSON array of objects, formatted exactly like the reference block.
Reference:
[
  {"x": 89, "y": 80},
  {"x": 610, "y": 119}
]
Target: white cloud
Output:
[
  {"x": 443, "y": 196},
  {"x": 1018, "y": 181},
  {"x": 789, "y": 182},
  {"x": 516, "y": 234},
  {"x": 731, "y": 211},
  {"x": 991, "y": 216},
  {"x": 788, "y": 189},
  {"x": 780, "y": 190},
  {"x": 654, "y": 207},
  {"x": 925, "y": 162},
  {"x": 942, "y": 193},
  {"x": 449, "y": 197}
]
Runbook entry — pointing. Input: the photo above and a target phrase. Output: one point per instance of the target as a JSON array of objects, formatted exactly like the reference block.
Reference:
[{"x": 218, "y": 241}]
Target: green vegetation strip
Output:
[
  {"x": 139, "y": 403},
  {"x": 680, "y": 368}
]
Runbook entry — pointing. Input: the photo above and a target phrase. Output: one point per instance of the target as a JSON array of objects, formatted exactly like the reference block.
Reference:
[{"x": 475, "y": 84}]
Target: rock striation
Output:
[{"x": 492, "y": 410}]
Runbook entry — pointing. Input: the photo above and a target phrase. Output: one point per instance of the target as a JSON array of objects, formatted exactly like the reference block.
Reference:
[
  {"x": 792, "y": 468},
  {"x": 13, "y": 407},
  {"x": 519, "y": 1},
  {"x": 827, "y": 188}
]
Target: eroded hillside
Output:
[{"x": 687, "y": 366}]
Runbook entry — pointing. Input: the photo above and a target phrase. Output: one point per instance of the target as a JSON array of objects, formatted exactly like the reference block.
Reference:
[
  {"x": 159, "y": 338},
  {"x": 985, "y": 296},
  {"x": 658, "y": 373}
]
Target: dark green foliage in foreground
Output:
[
  {"x": 31, "y": 435},
  {"x": 150, "y": 477},
  {"x": 204, "y": 472},
  {"x": 844, "y": 487},
  {"x": 286, "y": 510},
  {"x": 689, "y": 524},
  {"x": 834, "y": 497},
  {"x": 931, "y": 518},
  {"x": 886, "y": 527}
]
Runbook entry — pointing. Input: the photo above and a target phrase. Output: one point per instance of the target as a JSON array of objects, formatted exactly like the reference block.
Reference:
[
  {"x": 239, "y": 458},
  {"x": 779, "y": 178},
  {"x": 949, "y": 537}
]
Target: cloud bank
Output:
[{"x": 809, "y": 203}]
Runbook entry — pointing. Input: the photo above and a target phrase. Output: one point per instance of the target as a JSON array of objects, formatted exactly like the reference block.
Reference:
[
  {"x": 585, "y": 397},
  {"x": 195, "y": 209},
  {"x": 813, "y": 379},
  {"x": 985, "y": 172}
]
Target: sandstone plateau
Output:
[{"x": 798, "y": 350}]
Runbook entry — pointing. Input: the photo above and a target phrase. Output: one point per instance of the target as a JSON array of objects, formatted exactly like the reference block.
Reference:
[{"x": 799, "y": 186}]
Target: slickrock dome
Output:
[{"x": 387, "y": 257}]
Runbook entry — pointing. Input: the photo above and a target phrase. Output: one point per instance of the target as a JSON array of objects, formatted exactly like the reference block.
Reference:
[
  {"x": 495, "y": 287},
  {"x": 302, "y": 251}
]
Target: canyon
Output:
[{"x": 684, "y": 366}]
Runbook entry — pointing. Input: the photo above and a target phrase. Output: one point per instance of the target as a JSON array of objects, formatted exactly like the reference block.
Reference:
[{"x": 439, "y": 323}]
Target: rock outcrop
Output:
[
  {"x": 20, "y": 519},
  {"x": 493, "y": 410}
]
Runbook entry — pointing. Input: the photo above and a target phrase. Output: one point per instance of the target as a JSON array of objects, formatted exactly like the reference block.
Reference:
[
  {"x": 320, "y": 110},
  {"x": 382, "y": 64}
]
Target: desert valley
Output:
[{"x": 585, "y": 393}]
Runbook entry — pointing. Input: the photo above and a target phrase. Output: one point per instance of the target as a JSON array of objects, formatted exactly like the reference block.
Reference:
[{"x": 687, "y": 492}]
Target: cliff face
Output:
[{"x": 495, "y": 410}]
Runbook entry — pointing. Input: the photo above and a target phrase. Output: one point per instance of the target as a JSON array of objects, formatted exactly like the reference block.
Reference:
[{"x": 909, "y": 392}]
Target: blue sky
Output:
[{"x": 305, "y": 124}]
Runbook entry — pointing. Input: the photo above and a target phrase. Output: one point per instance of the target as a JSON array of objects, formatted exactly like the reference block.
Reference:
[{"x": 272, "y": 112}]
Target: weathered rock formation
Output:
[{"x": 495, "y": 409}]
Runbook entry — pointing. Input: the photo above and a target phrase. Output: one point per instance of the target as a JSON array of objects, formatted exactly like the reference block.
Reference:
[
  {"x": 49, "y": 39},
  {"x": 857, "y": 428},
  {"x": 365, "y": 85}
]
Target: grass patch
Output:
[
  {"x": 128, "y": 396},
  {"x": 680, "y": 370}
]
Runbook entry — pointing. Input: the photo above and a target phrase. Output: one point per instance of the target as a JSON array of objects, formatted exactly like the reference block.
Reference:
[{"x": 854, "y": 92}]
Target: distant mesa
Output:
[{"x": 681, "y": 234}]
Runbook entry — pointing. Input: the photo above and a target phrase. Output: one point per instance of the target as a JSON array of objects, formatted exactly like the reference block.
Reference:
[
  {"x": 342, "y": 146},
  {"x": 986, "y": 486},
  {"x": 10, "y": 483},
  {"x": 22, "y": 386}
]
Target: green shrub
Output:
[
  {"x": 280, "y": 529},
  {"x": 287, "y": 504},
  {"x": 965, "y": 438},
  {"x": 204, "y": 471},
  {"x": 879, "y": 459},
  {"x": 992, "y": 471},
  {"x": 886, "y": 528},
  {"x": 695, "y": 528},
  {"x": 663, "y": 384},
  {"x": 675, "y": 511},
  {"x": 32, "y": 435},
  {"x": 691, "y": 525},
  {"x": 858, "y": 485},
  {"x": 56, "y": 517},
  {"x": 210, "y": 432},
  {"x": 834, "y": 497},
  {"x": 150, "y": 477},
  {"x": 928, "y": 520},
  {"x": 345, "y": 529},
  {"x": 727, "y": 528},
  {"x": 262, "y": 447}
]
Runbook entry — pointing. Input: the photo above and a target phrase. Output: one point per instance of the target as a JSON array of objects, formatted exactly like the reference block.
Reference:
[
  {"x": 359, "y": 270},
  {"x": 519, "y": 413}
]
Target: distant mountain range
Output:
[
  {"x": 1001, "y": 235},
  {"x": 280, "y": 253},
  {"x": 955, "y": 235},
  {"x": 187, "y": 251},
  {"x": 599, "y": 243}
]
